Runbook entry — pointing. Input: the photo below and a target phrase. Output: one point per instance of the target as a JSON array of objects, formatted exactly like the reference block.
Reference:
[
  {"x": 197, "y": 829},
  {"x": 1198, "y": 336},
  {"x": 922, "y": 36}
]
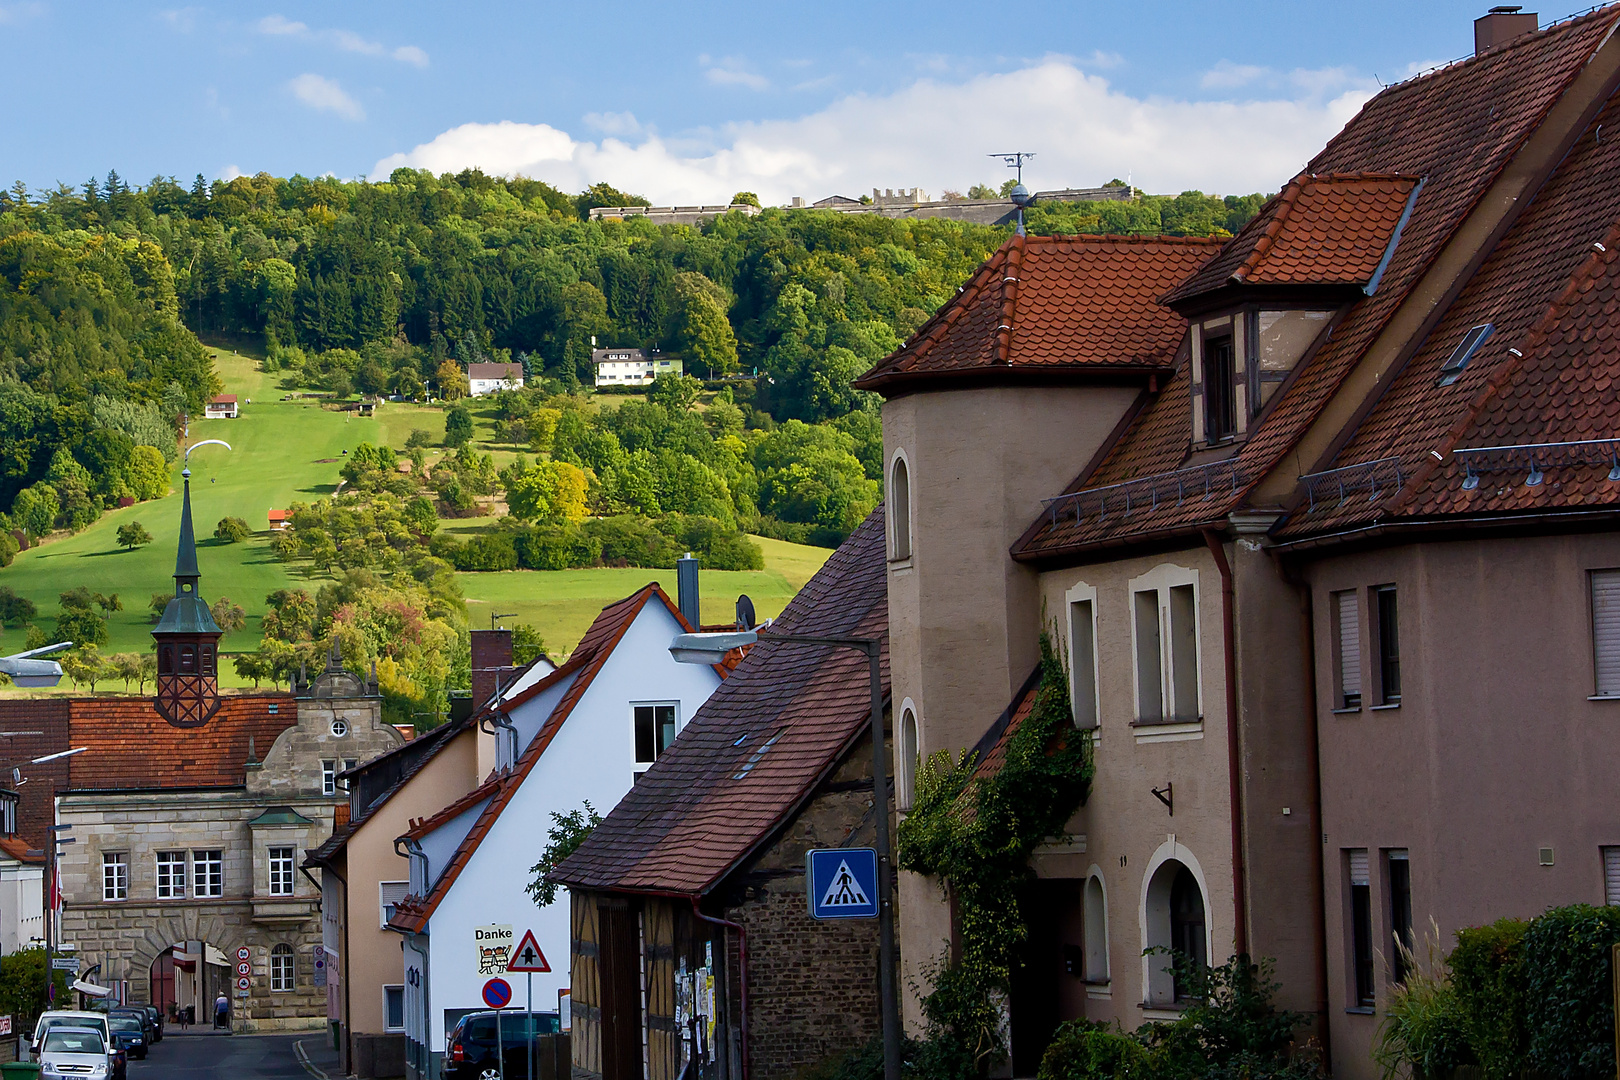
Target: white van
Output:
[{"x": 65, "y": 1018}]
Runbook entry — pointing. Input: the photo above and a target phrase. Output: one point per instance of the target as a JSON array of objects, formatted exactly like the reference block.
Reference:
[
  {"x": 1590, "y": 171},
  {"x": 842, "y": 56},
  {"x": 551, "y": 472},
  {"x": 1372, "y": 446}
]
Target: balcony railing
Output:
[{"x": 1148, "y": 492}]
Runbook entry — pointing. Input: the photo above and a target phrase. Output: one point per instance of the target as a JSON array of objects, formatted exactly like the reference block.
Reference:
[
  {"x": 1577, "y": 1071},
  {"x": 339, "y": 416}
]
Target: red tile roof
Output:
[
  {"x": 495, "y": 371},
  {"x": 1457, "y": 128},
  {"x": 222, "y": 399},
  {"x": 17, "y": 848},
  {"x": 589, "y": 655},
  {"x": 1045, "y": 305},
  {"x": 129, "y": 746},
  {"x": 37, "y": 727},
  {"x": 759, "y": 746}
]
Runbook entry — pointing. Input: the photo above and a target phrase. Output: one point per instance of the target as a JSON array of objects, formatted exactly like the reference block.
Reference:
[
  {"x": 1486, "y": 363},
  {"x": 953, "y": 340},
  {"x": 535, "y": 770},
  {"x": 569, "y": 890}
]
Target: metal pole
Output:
[
  {"x": 500, "y": 1045},
  {"x": 529, "y": 1058},
  {"x": 880, "y": 798}
]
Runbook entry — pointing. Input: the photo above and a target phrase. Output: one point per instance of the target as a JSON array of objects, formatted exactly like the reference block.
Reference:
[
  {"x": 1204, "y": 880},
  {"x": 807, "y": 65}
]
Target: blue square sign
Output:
[{"x": 842, "y": 883}]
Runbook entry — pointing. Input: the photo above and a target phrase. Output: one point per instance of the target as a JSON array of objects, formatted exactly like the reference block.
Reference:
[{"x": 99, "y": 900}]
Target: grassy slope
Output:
[{"x": 275, "y": 459}]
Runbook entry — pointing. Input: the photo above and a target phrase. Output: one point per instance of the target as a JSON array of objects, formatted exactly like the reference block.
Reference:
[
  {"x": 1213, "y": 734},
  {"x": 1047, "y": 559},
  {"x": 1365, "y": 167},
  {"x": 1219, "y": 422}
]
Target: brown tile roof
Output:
[
  {"x": 495, "y": 371},
  {"x": 588, "y": 657},
  {"x": 1457, "y": 128},
  {"x": 758, "y": 747},
  {"x": 128, "y": 745},
  {"x": 222, "y": 399},
  {"x": 48, "y": 716},
  {"x": 1052, "y": 304},
  {"x": 17, "y": 848}
]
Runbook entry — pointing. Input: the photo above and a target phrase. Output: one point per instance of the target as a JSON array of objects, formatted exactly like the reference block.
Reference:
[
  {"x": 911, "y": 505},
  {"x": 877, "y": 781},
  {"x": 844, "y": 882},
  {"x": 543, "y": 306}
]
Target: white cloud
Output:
[
  {"x": 722, "y": 76},
  {"x": 325, "y": 95},
  {"x": 182, "y": 20},
  {"x": 1227, "y": 75},
  {"x": 229, "y": 173},
  {"x": 344, "y": 40},
  {"x": 613, "y": 123},
  {"x": 933, "y": 134}
]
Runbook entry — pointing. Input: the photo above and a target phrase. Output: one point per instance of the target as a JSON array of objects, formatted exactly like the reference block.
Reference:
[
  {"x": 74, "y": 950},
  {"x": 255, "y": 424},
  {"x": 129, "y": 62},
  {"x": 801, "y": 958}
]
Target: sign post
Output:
[
  {"x": 528, "y": 959},
  {"x": 498, "y": 995},
  {"x": 843, "y": 883}
]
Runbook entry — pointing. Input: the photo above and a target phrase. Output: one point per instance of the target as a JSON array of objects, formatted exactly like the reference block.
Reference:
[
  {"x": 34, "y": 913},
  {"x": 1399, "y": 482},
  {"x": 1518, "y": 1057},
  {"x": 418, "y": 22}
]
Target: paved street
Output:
[{"x": 237, "y": 1057}]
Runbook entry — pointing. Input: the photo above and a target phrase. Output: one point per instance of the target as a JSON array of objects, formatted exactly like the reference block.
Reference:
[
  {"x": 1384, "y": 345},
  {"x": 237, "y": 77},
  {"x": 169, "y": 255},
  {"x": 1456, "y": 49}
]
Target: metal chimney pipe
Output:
[{"x": 686, "y": 590}]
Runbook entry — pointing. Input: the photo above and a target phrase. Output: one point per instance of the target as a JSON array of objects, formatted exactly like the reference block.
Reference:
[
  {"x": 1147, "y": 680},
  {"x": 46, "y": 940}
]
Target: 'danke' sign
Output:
[{"x": 494, "y": 948}]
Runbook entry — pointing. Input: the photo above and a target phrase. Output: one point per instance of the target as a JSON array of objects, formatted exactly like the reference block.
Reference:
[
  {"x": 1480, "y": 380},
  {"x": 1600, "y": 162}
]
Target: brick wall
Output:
[
  {"x": 490, "y": 649},
  {"x": 49, "y": 715}
]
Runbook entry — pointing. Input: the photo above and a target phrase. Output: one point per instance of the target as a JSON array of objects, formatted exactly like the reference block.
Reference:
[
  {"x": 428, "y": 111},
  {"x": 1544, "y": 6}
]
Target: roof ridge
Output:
[
  {"x": 1268, "y": 236},
  {"x": 1524, "y": 40}
]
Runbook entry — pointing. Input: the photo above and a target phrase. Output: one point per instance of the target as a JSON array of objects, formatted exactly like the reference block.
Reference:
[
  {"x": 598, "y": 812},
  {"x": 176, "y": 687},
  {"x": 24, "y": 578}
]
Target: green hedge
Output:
[{"x": 1569, "y": 991}]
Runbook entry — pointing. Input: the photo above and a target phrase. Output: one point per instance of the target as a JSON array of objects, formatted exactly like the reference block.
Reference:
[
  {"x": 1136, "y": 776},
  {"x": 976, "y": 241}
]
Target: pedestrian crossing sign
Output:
[{"x": 842, "y": 883}]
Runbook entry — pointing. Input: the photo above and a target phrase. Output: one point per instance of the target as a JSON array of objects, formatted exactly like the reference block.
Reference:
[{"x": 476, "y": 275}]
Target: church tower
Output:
[{"x": 187, "y": 639}]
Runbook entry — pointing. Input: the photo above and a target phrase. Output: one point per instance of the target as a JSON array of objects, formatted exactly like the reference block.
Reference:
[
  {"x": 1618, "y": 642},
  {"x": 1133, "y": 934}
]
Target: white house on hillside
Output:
[
  {"x": 582, "y": 733},
  {"x": 487, "y": 378},
  {"x": 631, "y": 367}
]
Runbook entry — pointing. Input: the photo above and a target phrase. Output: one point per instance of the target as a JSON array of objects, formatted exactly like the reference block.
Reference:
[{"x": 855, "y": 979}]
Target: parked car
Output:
[
  {"x": 129, "y": 1035},
  {"x": 139, "y": 1014},
  {"x": 95, "y": 1021},
  {"x": 75, "y": 1051},
  {"x": 471, "y": 1053},
  {"x": 157, "y": 1022}
]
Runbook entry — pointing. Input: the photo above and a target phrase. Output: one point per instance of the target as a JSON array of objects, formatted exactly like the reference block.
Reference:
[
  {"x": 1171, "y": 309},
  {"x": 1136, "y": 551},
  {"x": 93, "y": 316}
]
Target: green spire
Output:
[
  {"x": 187, "y": 613},
  {"x": 185, "y": 563}
]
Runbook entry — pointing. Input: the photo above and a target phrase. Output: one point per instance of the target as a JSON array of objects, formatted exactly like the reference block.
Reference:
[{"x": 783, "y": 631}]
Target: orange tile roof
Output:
[
  {"x": 586, "y": 662},
  {"x": 758, "y": 748},
  {"x": 1046, "y": 305},
  {"x": 17, "y": 848},
  {"x": 129, "y": 746},
  {"x": 1458, "y": 128}
]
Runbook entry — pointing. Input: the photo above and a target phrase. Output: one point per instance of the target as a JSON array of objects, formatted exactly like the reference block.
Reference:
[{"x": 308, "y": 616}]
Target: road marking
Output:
[{"x": 303, "y": 1059}]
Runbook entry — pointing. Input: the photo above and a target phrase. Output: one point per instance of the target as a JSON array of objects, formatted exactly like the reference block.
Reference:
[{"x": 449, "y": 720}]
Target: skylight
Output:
[{"x": 1452, "y": 369}]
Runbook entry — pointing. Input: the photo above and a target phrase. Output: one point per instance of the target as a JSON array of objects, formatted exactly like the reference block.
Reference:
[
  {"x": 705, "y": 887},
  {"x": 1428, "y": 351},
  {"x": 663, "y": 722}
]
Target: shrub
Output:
[
  {"x": 1082, "y": 1050},
  {"x": 417, "y": 438},
  {"x": 1424, "y": 1030},
  {"x": 1570, "y": 991},
  {"x": 557, "y": 547},
  {"x": 15, "y": 611},
  {"x": 458, "y": 426},
  {"x": 232, "y": 530},
  {"x": 8, "y": 548},
  {"x": 491, "y": 551},
  {"x": 630, "y": 541},
  {"x": 1488, "y": 980}
]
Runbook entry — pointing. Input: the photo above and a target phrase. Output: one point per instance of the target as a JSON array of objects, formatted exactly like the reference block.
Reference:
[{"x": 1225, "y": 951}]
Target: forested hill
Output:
[{"x": 376, "y": 287}]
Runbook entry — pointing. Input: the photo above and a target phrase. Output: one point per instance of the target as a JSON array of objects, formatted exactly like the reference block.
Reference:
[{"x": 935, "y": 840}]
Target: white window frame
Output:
[
  {"x": 283, "y": 969},
  {"x": 1154, "y": 926},
  {"x": 281, "y": 885},
  {"x": 389, "y": 894},
  {"x": 329, "y": 770},
  {"x": 1087, "y": 713},
  {"x": 208, "y": 873},
  {"x": 1178, "y": 722},
  {"x": 908, "y": 752},
  {"x": 1603, "y": 589},
  {"x": 171, "y": 875},
  {"x": 1343, "y": 605},
  {"x": 114, "y": 876},
  {"x": 638, "y": 766},
  {"x": 1095, "y": 924},
  {"x": 902, "y": 533},
  {"x": 400, "y": 989}
]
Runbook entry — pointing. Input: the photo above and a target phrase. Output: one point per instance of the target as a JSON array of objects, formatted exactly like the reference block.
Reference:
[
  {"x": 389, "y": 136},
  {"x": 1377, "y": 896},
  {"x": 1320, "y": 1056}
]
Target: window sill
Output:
[
  {"x": 1385, "y": 707},
  {"x": 900, "y": 564},
  {"x": 1604, "y": 697},
  {"x": 1165, "y": 721},
  {"x": 1347, "y": 711},
  {"x": 1361, "y": 1010},
  {"x": 1161, "y": 1012},
  {"x": 1099, "y": 991},
  {"x": 1151, "y": 731}
]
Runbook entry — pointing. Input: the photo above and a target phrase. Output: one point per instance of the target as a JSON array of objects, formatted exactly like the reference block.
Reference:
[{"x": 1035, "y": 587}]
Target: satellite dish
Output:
[{"x": 745, "y": 612}]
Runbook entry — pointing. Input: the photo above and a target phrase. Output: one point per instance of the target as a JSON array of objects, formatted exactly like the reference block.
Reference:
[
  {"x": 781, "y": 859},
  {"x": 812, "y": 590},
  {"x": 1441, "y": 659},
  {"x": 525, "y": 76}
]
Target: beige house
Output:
[{"x": 1322, "y": 519}]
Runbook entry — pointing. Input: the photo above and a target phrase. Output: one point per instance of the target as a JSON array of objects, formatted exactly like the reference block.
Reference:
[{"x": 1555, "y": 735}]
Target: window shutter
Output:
[
  {"x": 1358, "y": 866},
  {"x": 1349, "y": 645},
  {"x": 390, "y": 894},
  {"x": 1611, "y": 875},
  {"x": 1606, "y": 629}
]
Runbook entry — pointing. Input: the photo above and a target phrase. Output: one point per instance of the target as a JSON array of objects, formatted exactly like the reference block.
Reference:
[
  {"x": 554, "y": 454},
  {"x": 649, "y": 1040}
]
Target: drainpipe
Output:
[
  {"x": 1234, "y": 755},
  {"x": 1307, "y": 644},
  {"x": 424, "y": 1068},
  {"x": 499, "y": 719}
]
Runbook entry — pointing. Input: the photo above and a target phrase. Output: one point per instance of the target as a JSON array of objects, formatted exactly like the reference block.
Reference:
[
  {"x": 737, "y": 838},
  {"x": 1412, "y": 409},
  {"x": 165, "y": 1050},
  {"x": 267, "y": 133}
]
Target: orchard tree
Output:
[
  {"x": 133, "y": 535},
  {"x": 458, "y": 426}
]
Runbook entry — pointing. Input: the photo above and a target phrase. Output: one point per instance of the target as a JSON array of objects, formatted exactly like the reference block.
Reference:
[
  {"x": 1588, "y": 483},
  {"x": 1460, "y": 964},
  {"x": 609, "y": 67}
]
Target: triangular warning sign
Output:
[
  {"x": 527, "y": 957},
  {"x": 844, "y": 890}
]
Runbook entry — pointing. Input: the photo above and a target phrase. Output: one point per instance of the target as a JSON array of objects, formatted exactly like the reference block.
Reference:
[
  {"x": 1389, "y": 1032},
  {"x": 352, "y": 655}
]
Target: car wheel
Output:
[{"x": 489, "y": 1072}]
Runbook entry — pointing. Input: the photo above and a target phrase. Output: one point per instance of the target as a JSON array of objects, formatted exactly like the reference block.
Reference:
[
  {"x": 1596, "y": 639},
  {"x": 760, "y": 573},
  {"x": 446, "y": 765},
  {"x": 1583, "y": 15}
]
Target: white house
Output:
[
  {"x": 631, "y": 367},
  {"x": 582, "y": 733},
  {"x": 222, "y": 407},
  {"x": 488, "y": 378}
]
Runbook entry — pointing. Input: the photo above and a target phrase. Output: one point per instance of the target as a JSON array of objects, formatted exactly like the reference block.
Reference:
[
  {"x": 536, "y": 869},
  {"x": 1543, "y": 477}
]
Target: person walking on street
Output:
[{"x": 222, "y": 1011}]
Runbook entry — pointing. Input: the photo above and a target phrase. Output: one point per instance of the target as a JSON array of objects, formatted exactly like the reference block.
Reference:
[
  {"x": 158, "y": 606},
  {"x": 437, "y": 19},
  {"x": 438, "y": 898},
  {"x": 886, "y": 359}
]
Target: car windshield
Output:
[
  {"x": 126, "y": 1023},
  {"x": 73, "y": 1042}
]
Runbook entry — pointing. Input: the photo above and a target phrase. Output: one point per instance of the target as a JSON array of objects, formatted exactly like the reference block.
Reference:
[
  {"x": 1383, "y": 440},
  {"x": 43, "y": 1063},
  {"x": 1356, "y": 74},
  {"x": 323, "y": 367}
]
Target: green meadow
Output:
[{"x": 289, "y": 451}]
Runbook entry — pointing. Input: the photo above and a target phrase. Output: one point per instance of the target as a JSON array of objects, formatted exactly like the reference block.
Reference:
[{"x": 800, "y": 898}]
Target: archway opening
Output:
[
  {"x": 1177, "y": 922},
  {"x": 186, "y": 979}
]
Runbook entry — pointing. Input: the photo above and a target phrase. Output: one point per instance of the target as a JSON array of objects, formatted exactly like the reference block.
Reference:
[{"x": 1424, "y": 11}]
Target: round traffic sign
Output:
[
  {"x": 244, "y": 953},
  {"x": 244, "y": 984},
  {"x": 244, "y": 968},
  {"x": 497, "y": 993}
]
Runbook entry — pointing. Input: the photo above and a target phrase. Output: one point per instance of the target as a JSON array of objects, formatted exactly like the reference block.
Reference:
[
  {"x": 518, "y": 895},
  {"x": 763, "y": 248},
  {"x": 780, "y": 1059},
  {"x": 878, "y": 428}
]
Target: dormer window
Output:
[
  {"x": 1239, "y": 359},
  {"x": 1220, "y": 389}
]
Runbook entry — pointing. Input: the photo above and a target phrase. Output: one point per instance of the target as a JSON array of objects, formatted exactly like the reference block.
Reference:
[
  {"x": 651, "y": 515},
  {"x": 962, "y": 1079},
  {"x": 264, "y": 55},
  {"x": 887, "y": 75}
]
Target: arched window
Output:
[
  {"x": 166, "y": 660},
  {"x": 188, "y": 659},
  {"x": 1096, "y": 930},
  {"x": 905, "y": 767},
  {"x": 208, "y": 660},
  {"x": 1176, "y": 919},
  {"x": 281, "y": 969},
  {"x": 899, "y": 504}
]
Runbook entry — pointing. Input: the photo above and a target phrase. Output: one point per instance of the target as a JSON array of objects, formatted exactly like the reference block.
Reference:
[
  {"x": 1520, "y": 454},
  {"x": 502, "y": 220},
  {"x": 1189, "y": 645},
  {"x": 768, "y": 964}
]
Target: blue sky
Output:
[{"x": 691, "y": 102}]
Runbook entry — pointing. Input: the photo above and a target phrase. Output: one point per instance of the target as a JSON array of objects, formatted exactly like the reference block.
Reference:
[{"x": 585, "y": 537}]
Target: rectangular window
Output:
[
  {"x": 1361, "y": 947},
  {"x": 208, "y": 873},
  {"x": 283, "y": 980},
  {"x": 1347, "y": 653},
  {"x": 1606, "y": 631},
  {"x": 1083, "y": 663},
  {"x": 114, "y": 876},
  {"x": 655, "y": 730},
  {"x": 171, "y": 875},
  {"x": 1398, "y": 871},
  {"x": 389, "y": 894},
  {"x": 1611, "y": 875},
  {"x": 328, "y": 778},
  {"x": 1220, "y": 390},
  {"x": 1183, "y": 680},
  {"x": 1149, "y": 679},
  {"x": 1389, "y": 645},
  {"x": 394, "y": 1008},
  {"x": 281, "y": 871}
]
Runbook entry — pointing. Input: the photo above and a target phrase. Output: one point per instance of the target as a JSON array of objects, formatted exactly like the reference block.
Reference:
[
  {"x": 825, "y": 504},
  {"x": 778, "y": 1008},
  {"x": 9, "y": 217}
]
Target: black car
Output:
[
  {"x": 137, "y": 1013},
  {"x": 157, "y": 1021},
  {"x": 128, "y": 1034},
  {"x": 470, "y": 1051}
]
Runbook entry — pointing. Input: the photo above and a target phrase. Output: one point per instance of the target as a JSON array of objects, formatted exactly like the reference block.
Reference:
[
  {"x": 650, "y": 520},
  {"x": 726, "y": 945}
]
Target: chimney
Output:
[
  {"x": 1502, "y": 24},
  {"x": 686, "y": 590},
  {"x": 491, "y": 651},
  {"x": 798, "y": 200}
]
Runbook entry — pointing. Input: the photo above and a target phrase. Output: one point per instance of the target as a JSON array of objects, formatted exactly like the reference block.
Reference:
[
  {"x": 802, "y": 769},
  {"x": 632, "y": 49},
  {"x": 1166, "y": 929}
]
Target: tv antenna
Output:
[{"x": 1020, "y": 195}]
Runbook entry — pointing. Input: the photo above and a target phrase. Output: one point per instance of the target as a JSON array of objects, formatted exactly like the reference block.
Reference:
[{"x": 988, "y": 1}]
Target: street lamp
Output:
[
  {"x": 25, "y": 669},
  {"x": 712, "y": 649}
]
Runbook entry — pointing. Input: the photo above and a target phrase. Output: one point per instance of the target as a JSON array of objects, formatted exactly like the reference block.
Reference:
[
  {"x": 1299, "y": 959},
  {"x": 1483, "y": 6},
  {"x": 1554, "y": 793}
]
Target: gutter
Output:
[
  {"x": 1595, "y": 516},
  {"x": 1234, "y": 762}
]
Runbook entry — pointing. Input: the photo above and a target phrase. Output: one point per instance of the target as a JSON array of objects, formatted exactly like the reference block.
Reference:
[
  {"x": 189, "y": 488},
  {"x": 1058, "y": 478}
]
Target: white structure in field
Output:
[
  {"x": 631, "y": 367},
  {"x": 488, "y": 378},
  {"x": 222, "y": 407},
  {"x": 582, "y": 733}
]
